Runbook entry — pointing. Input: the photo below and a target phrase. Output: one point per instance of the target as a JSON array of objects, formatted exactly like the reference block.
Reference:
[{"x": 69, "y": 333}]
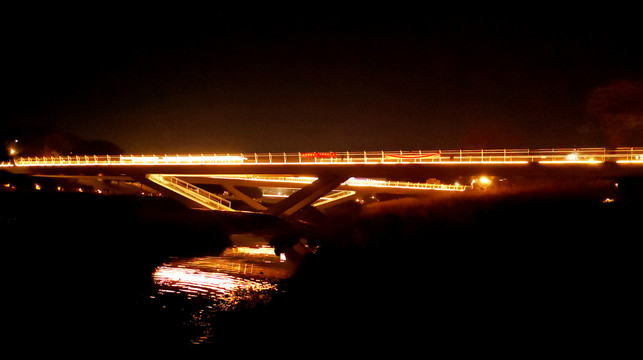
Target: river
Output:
[
  {"x": 197, "y": 289},
  {"x": 88, "y": 303}
]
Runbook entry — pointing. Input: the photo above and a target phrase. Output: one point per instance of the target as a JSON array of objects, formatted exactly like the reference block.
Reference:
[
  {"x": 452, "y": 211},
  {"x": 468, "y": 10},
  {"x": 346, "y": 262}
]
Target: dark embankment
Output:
[{"x": 516, "y": 272}]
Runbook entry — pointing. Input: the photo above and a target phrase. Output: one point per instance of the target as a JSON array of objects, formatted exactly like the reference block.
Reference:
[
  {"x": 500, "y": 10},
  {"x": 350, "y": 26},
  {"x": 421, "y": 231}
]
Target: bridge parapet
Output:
[{"x": 630, "y": 155}]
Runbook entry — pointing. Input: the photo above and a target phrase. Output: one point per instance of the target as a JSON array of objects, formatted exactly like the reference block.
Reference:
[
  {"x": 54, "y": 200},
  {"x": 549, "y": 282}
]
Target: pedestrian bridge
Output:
[
  {"x": 323, "y": 178},
  {"x": 565, "y": 156}
]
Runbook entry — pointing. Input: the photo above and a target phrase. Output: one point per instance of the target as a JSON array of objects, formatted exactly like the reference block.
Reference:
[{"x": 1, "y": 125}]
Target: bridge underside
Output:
[
  {"x": 277, "y": 195},
  {"x": 315, "y": 193}
]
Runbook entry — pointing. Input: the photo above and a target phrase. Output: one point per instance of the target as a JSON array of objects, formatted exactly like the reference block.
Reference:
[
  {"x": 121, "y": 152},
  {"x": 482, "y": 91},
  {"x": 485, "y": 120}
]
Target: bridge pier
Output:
[
  {"x": 256, "y": 205},
  {"x": 307, "y": 195}
]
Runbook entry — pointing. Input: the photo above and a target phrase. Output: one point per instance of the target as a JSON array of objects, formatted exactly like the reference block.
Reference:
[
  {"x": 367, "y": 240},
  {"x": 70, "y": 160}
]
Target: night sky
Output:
[{"x": 206, "y": 80}]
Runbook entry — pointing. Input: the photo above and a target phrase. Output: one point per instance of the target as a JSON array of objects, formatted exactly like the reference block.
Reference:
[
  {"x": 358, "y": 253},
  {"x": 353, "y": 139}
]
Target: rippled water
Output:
[
  {"x": 196, "y": 289},
  {"x": 85, "y": 300}
]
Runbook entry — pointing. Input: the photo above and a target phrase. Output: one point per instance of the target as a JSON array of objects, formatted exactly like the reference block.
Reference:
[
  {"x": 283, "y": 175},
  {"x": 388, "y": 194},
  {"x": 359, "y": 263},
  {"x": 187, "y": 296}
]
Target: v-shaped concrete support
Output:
[
  {"x": 307, "y": 195},
  {"x": 256, "y": 205}
]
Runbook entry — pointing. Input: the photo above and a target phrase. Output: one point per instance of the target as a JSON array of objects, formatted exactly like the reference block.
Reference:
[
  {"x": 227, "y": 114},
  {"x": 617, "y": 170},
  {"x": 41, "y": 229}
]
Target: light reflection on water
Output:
[
  {"x": 215, "y": 285},
  {"x": 241, "y": 276}
]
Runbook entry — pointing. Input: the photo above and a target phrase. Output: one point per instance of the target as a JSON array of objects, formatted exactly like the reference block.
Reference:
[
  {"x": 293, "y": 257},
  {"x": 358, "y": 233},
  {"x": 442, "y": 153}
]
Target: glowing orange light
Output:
[
  {"x": 265, "y": 250},
  {"x": 590, "y": 161},
  {"x": 629, "y": 161},
  {"x": 484, "y": 180}
]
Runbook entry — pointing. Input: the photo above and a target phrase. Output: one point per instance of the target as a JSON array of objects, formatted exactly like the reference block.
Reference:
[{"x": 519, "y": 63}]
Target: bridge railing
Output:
[
  {"x": 403, "y": 184},
  {"x": 204, "y": 197},
  {"x": 490, "y": 156},
  {"x": 518, "y": 156}
]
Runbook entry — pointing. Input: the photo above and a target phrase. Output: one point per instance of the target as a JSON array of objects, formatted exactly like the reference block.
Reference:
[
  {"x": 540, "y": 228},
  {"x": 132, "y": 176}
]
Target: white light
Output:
[{"x": 572, "y": 157}]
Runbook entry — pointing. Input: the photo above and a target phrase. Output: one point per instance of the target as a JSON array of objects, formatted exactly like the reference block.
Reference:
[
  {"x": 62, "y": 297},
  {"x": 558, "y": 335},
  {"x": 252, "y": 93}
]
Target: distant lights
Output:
[{"x": 483, "y": 180}]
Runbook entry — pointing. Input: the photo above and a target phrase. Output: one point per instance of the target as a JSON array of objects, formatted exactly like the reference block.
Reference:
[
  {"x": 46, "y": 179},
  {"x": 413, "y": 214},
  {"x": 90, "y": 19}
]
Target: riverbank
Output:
[{"x": 520, "y": 272}]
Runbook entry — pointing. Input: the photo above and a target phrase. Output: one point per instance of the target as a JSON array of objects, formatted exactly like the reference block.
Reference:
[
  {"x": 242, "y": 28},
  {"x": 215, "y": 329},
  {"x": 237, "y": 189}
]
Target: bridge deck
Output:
[
  {"x": 387, "y": 164},
  {"x": 447, "y": 157}
]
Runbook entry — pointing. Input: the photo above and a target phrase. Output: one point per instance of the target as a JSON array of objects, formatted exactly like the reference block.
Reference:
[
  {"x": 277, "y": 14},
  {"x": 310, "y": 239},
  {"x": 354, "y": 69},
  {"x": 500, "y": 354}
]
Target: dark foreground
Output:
[
  {"x": 517, "y": 273},
  {"x": 545, "y": 271}
]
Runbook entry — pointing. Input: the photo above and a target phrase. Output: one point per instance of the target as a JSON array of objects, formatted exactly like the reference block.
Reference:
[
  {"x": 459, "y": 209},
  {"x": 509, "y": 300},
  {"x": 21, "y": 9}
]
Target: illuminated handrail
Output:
[
  {"x": 630, "y": 155},
  {"x": 333, "y": 197},
  {"x": 199, "y": 195},
  {"x": 271, "y": 178},
  {"x": 403, "y": 185}
]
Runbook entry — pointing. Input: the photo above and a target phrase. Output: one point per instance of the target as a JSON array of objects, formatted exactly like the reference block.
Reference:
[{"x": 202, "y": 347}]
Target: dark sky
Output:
[{"x": 203, "y": 80}]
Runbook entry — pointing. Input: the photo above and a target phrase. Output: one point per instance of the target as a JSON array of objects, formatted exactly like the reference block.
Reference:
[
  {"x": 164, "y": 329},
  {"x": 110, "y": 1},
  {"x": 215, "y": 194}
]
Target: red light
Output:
[{"x": 319, "y": 155}]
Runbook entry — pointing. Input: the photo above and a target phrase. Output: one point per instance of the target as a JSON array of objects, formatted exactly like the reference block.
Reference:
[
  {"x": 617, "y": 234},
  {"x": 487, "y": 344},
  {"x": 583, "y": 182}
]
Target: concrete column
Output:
[
  {"x": 307, "y": 195},
  {"x": 243, "y": 197}
]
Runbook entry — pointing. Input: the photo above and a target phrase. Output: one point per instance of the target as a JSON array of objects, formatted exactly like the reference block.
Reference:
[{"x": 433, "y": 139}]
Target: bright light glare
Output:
[
  {"x": 484, "y": 180},
  {"x": 266, "y": 250}
]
